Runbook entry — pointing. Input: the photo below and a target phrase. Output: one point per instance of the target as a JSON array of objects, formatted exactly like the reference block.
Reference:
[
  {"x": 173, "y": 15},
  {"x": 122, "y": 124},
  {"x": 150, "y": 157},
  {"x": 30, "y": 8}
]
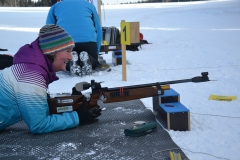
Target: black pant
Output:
[{"x": 91, "y": 49}]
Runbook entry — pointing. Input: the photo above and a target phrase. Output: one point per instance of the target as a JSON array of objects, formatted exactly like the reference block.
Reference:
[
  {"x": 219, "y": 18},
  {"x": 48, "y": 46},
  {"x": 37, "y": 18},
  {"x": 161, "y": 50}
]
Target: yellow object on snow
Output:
[
  {"x": 175, "y": 156},
  {"x": 105, "y": 42},
  {"x": 222, "y": 98}
]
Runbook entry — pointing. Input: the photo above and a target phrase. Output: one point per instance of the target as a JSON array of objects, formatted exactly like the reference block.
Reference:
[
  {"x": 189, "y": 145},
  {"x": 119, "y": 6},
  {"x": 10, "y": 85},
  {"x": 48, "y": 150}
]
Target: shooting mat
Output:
[{"x": 103, "y": 139}]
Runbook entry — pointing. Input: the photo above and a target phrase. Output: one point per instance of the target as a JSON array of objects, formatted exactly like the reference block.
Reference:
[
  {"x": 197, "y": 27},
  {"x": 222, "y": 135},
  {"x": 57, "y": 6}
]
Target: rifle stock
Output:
[
  {"x": 64, "y": 103},
  {"x": 109, "y": 95}
]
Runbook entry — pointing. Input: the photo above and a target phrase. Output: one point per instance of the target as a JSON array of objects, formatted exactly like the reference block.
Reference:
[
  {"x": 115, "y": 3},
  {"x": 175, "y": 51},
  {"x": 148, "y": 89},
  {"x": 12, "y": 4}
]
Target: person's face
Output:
[{"x": 61, "y": 58}]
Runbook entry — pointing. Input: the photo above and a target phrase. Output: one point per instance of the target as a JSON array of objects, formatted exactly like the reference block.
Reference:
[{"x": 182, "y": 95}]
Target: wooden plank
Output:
[
  {"x": 168, "y": 121},
  {"x": 189, "y": 126},
  {"x": 106, "y": 48},
  {"x": 134, "y": 33},
  {"x": 124, "y": 63}
]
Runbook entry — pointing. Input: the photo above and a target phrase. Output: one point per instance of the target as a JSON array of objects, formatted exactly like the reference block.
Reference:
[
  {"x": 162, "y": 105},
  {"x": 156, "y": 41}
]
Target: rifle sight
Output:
[
  {"x": 203, "y": 78},
  {"x": 93, "y": 85}
]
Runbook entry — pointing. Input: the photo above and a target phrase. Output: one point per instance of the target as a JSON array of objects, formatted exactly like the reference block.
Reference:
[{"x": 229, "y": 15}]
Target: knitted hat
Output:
[{"x": 52, "y": 39}]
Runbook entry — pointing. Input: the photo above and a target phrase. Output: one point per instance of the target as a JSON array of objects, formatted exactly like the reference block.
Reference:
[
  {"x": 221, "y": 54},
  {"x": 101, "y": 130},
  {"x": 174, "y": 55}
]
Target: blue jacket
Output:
[
  {"x": 79, "y": 18},
  {"x": 23, "y": 93}
]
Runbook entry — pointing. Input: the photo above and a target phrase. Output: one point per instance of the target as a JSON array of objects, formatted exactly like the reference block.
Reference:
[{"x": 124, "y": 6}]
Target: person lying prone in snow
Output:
[{"x": 24, "y": 85}]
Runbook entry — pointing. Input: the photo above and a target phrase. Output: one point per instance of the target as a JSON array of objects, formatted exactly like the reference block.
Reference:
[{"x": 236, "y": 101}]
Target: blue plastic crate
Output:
[{"x": 170, "y": 112}]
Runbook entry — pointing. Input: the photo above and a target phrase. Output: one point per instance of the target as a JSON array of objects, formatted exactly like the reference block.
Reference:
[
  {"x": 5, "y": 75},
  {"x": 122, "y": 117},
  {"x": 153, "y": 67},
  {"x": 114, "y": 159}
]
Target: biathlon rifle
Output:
[{"x": 109, "y": 95}]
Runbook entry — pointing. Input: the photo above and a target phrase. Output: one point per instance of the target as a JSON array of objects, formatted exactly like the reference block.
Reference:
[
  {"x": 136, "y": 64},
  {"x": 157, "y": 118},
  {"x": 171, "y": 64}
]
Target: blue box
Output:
[
  {"x": 117, "y": 57},
  {"x": 170, "y": 112},
  {"x": 173, "y": 107}
]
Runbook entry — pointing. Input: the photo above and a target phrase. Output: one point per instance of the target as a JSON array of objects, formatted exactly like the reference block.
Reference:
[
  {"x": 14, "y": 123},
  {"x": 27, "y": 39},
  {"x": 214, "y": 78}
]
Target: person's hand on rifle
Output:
[
  {"x": 75, "y": 92},
  {"x": 88, "y": 116},
  {"x": 85, "y": 115}
]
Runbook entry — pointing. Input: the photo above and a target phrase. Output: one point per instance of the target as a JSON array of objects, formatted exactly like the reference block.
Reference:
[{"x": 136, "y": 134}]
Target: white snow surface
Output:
[{"x": 187, "y": 38}]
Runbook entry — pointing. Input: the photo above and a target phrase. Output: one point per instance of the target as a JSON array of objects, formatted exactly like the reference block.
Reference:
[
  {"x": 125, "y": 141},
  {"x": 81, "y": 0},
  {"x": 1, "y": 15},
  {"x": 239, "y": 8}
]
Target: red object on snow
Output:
[{"x": 141, "y": 36}]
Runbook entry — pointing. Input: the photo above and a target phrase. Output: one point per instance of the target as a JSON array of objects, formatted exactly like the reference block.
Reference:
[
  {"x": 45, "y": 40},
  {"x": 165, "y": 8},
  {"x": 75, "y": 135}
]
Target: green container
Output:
[{"x": 141, "y": 130}]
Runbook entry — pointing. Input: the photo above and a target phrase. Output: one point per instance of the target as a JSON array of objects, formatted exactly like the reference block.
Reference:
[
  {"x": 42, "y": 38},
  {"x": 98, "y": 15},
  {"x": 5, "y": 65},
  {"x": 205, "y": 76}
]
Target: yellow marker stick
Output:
[
  {"x": 222, "y": 98},
  {"x": 179, "y": 156},
  {"x": 171, "y": 155}
]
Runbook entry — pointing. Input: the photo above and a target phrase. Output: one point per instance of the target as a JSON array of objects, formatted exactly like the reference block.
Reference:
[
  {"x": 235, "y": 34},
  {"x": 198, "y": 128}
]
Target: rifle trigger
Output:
[{"x": 102, "y": 96}]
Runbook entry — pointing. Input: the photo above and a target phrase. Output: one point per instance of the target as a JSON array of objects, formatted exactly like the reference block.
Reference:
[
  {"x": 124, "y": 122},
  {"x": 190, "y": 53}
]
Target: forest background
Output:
[{"x": 47, "y": 3}]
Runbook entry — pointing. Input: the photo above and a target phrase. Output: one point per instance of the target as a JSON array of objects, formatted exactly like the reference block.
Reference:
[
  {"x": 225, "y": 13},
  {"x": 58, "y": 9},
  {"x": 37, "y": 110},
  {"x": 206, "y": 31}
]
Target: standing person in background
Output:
[
  {"x": 80, "y": 19},
  {"x": 24, "y": 85}
]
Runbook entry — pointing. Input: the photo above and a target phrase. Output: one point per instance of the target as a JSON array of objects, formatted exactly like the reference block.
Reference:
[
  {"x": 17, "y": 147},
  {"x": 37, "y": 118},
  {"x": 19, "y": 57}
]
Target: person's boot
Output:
[
  {"x": 101, "y": 60},
  {"x": 75, "y": 68},
  {"x": 86, "y": 64}
]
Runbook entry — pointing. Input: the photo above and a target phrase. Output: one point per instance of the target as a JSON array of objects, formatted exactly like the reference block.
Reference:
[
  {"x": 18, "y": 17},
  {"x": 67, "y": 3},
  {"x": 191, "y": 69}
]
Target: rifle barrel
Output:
[
  {"x": 197, "y": 79},
  {"x": 151, "y": 84}
]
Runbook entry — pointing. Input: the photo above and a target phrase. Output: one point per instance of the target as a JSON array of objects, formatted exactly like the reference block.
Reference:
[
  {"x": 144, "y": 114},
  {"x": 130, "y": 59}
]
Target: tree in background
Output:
[
  {"x": 21, "y": 3},
  {"x": 53, "y": 1},
  {"x": 25, "y": 3},
  {"x": 2, "y": 2},
  {"x": 30, "y": 3},
  {"x": 47, "y": 3},
  {"x": 9, "y": 3}
]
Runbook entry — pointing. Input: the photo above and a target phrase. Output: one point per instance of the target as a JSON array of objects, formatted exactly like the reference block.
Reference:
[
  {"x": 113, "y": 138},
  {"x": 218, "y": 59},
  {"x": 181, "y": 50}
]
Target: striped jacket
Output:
[
  {"x": 79, "y": 18},
  {"x": 23, "y": 93}
]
